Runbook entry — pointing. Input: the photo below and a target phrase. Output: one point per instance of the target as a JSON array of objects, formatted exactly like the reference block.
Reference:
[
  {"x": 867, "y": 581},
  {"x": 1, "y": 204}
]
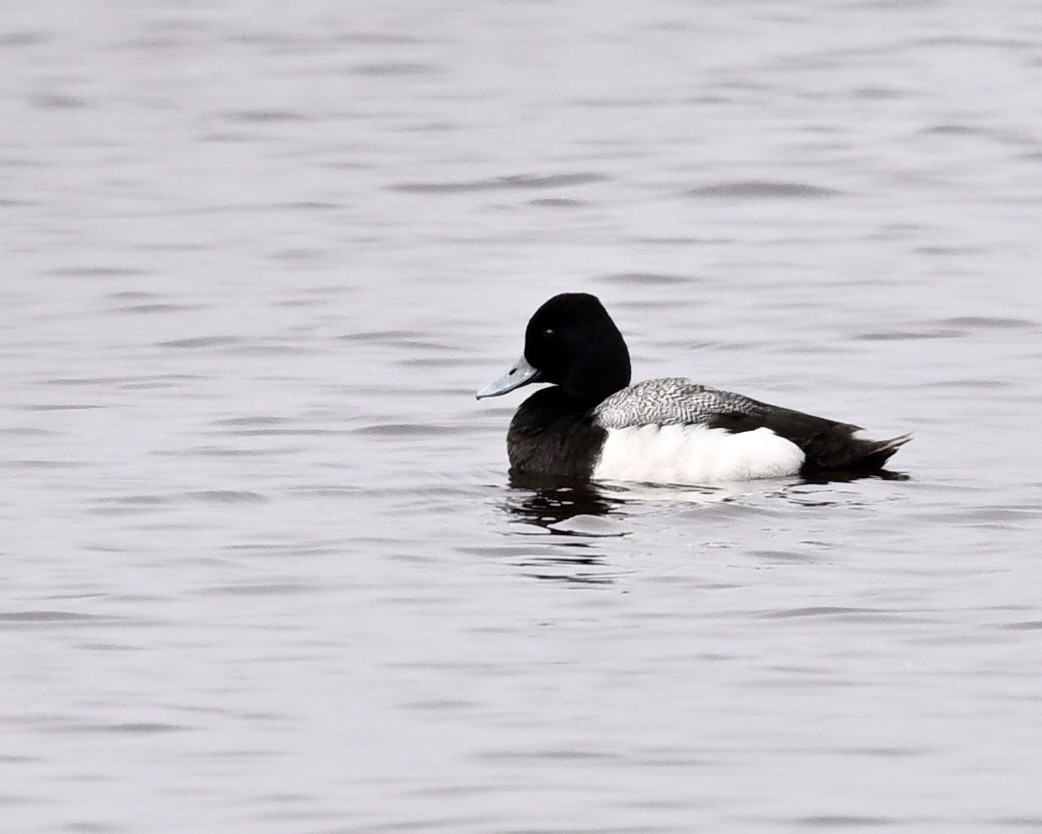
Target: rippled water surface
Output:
[{"x": 262, "y": 567}]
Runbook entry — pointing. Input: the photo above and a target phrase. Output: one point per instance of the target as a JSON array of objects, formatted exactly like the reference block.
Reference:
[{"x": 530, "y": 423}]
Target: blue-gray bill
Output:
[{"x": 521, "y": 374}]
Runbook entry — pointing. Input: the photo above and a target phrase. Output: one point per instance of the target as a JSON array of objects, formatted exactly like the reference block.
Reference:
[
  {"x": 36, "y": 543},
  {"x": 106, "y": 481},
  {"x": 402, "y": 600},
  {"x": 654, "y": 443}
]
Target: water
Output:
[{"x": 263, "y": 570}]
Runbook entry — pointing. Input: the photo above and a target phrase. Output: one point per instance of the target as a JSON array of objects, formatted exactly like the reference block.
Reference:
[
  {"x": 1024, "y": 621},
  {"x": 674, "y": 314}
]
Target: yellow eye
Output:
[{"x": 548, "y": 332}]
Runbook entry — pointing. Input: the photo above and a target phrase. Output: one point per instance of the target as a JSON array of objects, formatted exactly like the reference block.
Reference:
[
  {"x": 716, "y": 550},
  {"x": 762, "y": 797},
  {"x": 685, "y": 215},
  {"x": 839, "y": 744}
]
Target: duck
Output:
[{"x": 592, "y": 424}]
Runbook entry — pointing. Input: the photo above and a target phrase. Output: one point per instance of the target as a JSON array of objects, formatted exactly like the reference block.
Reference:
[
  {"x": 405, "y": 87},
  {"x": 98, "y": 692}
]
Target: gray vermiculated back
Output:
[{"x": 669, "y": 401}]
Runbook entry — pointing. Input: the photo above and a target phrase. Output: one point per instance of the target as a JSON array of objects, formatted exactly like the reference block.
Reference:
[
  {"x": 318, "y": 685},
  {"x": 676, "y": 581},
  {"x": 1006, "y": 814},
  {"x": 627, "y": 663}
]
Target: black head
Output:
[{"x": 573, "y": 343}]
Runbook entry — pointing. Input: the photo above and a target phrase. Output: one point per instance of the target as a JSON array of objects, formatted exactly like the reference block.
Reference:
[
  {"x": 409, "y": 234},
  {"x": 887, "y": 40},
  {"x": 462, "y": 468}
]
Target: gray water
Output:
[{"x": 262, "y": 568}]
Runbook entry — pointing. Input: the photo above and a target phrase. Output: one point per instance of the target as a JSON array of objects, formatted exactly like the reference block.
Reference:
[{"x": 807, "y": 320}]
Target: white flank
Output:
[{"x": 695, "y": 455}]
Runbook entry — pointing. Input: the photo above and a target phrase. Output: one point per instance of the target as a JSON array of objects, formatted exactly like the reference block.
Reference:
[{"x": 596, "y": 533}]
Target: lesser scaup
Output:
[{"x": 592, "y": 424}]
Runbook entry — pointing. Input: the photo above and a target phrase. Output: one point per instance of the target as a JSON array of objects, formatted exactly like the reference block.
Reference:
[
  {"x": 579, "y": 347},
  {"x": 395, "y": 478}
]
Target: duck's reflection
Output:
[
  {"x": 548, "y": 503},
  {"x": 565, "y": 529},
  {"x": 563, "y": 526},
  {"x": 551, "y": 503},
  {"x": 845, "y": 476}
]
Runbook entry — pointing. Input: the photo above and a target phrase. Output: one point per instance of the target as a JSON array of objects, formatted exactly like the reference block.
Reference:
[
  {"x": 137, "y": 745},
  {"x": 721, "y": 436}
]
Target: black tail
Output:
[{"x": 841, "y": 449}]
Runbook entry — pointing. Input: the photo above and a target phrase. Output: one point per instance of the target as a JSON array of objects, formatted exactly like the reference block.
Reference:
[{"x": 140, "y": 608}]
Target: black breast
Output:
[{"x": 552, "y": 435}]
